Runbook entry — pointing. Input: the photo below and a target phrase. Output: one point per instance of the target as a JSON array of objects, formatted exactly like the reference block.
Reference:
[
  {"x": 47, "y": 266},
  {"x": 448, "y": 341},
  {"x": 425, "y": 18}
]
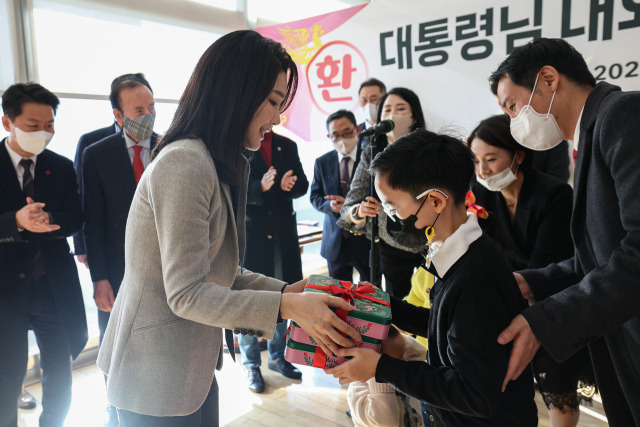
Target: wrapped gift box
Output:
[
  {"x": 371, "y": 317},
  {"x": 297, "y": 334}
]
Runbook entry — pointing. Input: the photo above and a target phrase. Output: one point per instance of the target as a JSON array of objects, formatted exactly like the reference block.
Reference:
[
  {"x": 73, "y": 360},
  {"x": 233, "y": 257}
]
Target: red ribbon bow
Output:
[
  {"x": 477, "y": 210},
  {"x": 347, "y": 292}
]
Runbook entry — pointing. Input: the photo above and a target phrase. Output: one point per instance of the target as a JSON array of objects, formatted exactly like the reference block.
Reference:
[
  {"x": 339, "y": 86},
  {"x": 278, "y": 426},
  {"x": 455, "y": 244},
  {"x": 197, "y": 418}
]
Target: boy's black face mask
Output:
[{"x": 409, "y": 225}]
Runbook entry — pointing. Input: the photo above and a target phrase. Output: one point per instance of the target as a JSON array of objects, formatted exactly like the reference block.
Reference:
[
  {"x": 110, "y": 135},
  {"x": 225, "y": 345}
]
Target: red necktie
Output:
[
  {"x": 138, "y": 167},
  {"x": 575, "y": 156}
]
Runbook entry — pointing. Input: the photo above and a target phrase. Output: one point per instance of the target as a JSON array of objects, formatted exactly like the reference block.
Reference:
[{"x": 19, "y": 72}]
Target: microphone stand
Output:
[{"x": 377, "y": 141}]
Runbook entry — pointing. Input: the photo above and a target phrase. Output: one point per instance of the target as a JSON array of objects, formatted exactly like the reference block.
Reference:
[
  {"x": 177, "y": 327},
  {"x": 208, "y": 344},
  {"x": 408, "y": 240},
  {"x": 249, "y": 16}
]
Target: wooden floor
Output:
[{"x": 316, "y": 400}]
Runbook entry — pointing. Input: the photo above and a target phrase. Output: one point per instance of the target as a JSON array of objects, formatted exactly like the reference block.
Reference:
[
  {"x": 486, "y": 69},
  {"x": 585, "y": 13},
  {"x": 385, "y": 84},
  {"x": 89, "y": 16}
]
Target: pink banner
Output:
[{"x": 329, "y": 72}]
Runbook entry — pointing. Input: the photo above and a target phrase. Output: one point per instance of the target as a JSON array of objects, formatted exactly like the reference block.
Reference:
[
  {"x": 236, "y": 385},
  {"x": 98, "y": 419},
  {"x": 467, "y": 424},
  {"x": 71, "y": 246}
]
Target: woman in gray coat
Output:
[{"x": 184, "y": 282}]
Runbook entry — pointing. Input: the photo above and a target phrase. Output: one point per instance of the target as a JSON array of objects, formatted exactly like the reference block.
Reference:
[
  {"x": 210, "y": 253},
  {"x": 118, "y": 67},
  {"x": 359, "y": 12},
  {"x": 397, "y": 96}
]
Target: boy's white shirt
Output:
[
  {"x": 376, "y": 404},
  {"x": 456, "y": 245}
]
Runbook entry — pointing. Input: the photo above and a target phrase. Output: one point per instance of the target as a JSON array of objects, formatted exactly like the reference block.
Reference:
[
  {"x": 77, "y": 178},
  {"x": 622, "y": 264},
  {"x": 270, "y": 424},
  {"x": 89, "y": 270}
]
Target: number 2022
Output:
[{"x": 616, "y": 71}]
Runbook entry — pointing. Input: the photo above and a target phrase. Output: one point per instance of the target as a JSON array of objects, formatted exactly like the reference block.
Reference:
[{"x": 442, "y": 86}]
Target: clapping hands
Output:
[{"x": 32, "y": 217}]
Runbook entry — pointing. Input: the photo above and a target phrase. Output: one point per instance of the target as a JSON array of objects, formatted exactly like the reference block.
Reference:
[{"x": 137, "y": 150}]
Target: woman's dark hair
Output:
[
  {"x": 524, "y": 63},
  {"x": 413, "y": 101},
  {"x": 422, "y": 159},
  {"x": 496, "y": 131},
  {"x": 232, "y": 78}
]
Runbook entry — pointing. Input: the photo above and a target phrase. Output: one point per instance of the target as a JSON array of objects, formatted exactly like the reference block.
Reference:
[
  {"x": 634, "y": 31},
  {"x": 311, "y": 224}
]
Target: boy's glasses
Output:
[{"x": 393, "y": 212}]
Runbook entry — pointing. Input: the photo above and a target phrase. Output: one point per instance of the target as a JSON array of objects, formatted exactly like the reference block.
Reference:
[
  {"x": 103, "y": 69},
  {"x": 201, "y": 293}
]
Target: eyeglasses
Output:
[
  {"x": 345, "y": 134},
  {"x": 393, "y": 213}
]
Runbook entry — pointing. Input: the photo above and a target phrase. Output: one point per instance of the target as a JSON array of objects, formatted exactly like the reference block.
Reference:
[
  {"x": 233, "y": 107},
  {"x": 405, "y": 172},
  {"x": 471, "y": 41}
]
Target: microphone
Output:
[{"x": 384, "y": 126}]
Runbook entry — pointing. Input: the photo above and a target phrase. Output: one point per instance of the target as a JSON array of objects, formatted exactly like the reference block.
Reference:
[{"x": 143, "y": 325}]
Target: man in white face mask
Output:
[
  {"x": 368, "y": 96},
  {"x": 332, "y": 177},
  {"x": 112, "y": 168},
  {"x": 550, "y": 94},
  {"x": 39, "y": 286}
]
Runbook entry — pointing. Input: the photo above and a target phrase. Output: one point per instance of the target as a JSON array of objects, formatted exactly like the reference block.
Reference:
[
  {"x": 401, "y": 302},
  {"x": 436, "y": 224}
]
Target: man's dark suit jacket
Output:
[
  {"x": 605, "y": 225},
  {"x": 55, "y": 185},
  {"x": 326, "y": 182},
  {"x": 86, "y": 140},
  {"x": 108, "y": 185},
  {"x": 272, "y": 212}
]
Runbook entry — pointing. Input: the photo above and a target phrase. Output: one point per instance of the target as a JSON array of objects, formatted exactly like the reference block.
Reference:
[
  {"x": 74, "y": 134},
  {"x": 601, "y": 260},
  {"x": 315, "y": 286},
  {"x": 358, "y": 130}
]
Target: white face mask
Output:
[
  {"x": 536, "y": 131},
  {"x": 501, "y": 180},
  {"x": 402, "y": 124},
  {"x": 33, "y": 142},
  {"x": 345, "y": 145},
  {"x": 370, "y": 113}
]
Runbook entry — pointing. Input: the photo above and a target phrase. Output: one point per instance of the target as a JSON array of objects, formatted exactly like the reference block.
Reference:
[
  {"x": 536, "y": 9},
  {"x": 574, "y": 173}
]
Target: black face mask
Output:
[{"x": 408, "y": 226}]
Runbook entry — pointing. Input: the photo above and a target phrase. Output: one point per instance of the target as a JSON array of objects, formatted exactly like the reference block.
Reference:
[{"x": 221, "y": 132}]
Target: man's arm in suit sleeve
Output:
[
  {"x": 566, "y": 321},
  {"x": 9, "y": 228},
  {"x": 317, "y": 192},
  {"x": 69, "y": 215},
  {"x": 94, "y": 205},
  {"x": 78, "y": 238}
]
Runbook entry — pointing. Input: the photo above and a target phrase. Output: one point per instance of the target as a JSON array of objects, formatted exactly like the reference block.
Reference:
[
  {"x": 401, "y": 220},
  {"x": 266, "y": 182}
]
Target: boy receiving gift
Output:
[{"x": 422, "y": 180}]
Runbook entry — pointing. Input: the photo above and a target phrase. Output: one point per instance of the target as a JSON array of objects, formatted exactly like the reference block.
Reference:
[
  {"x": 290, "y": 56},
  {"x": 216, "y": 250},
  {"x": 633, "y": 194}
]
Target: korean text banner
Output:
[{"x": 445, "y": 52}]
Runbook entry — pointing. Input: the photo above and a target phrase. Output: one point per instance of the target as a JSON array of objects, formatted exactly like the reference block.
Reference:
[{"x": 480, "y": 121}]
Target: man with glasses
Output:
[{"x": 332, "y": 176}]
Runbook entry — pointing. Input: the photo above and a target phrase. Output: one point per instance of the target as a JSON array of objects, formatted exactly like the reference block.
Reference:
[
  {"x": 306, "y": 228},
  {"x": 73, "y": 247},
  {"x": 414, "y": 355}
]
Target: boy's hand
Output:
[
  {"x": 525, "y": 346},
  {"x": 368, "y": 283},
  {"x": 361, "y": 368}
]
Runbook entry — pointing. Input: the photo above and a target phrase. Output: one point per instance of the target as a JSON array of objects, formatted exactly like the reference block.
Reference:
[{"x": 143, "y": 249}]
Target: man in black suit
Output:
[
  {"x": 369, "y": 94},
  {"x": 332, "y": 175},
  {"x": 39, "y": 286},
  {"x": 111, "y": 170},
  {"x": 595, "y": 293},
  {"x": 276, "y": 178},
  {"x": 94, "y": 136}
]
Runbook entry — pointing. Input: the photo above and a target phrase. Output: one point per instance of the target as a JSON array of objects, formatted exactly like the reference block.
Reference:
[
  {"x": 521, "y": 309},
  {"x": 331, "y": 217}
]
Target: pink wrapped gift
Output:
[{"x": 371, "y": 317}]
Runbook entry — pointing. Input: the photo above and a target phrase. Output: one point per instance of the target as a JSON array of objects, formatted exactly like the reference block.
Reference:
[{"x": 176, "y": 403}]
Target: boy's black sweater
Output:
[{"x": 462, "y": 380}]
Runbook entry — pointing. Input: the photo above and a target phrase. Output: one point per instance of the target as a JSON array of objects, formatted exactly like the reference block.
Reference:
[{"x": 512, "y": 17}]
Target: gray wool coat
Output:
[{"x": 182, "y": 284}]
